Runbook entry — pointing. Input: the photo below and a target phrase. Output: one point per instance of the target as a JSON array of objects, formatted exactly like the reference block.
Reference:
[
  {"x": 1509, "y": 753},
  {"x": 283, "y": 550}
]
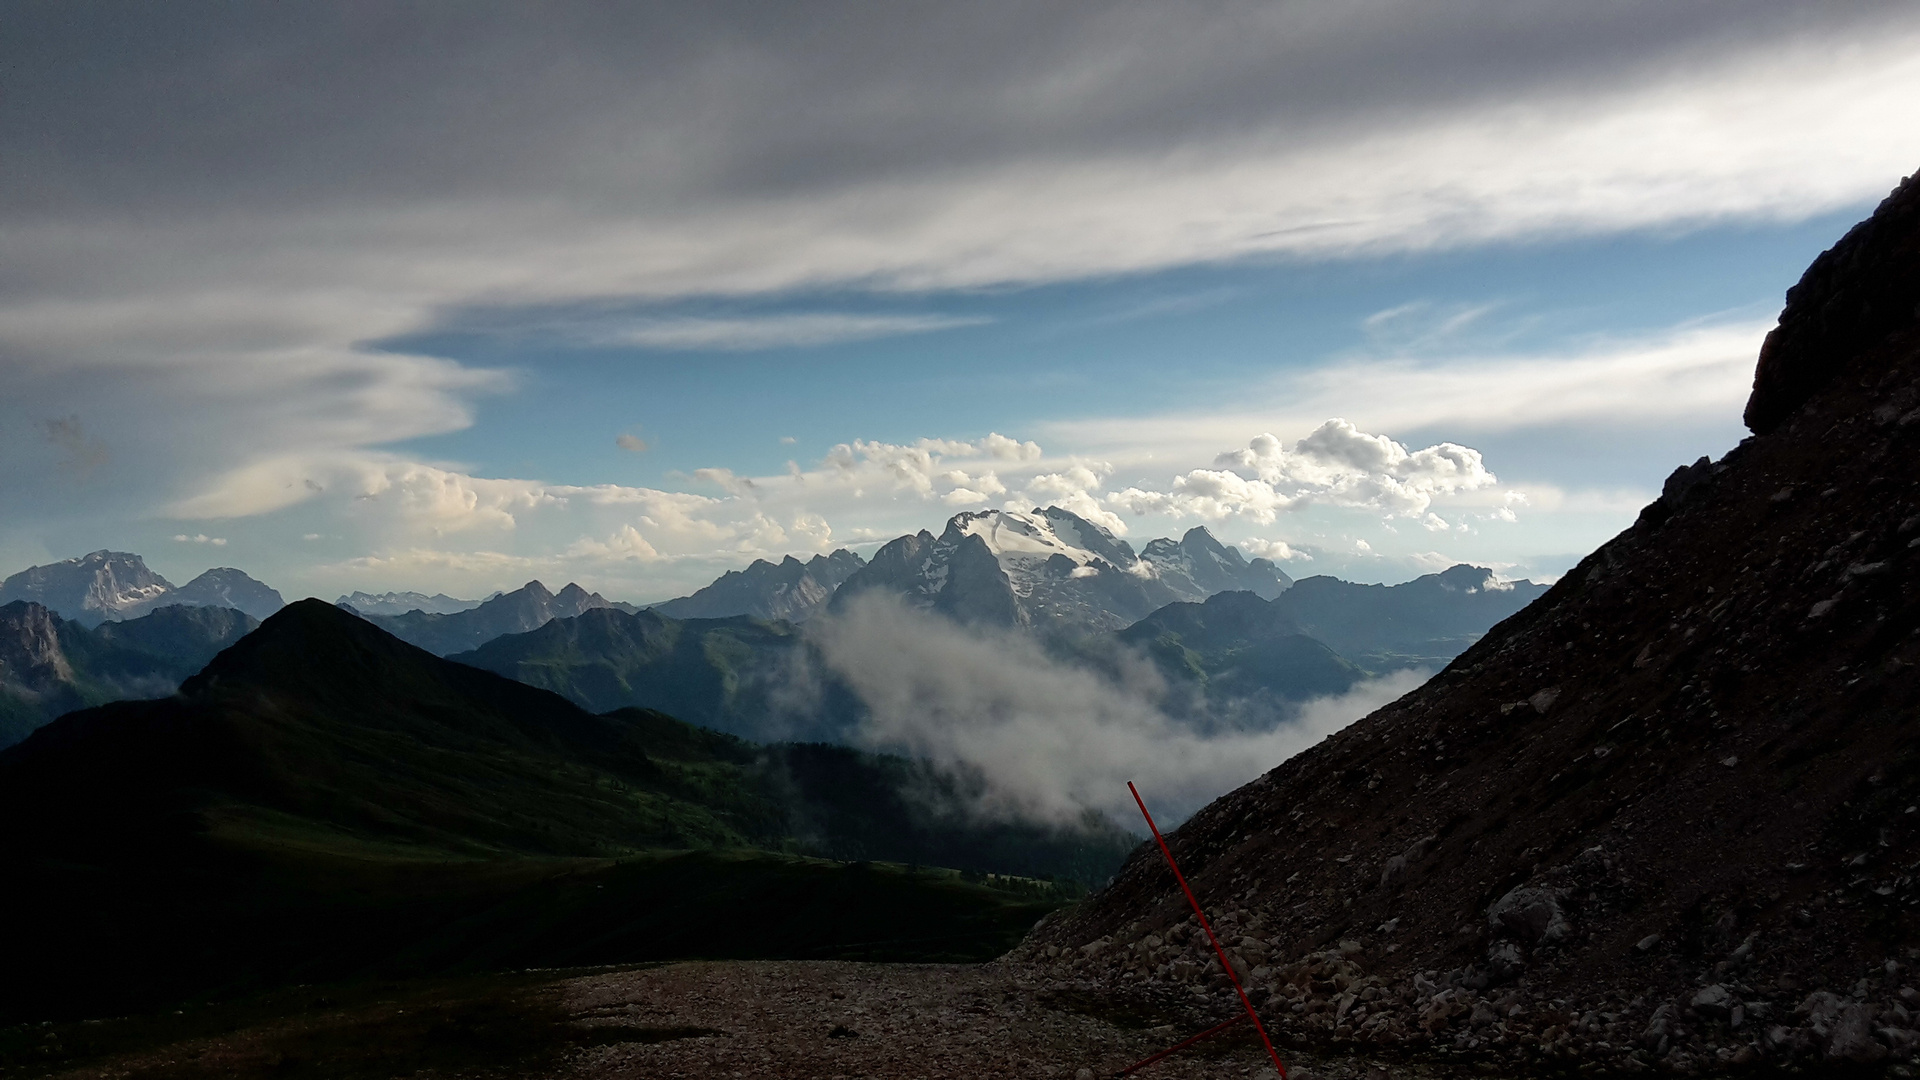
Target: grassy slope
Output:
[{"x": 327, "y": 802}]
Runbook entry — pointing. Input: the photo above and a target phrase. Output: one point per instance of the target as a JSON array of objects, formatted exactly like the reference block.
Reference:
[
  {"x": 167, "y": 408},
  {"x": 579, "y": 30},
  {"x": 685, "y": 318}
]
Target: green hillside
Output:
[{"x": 325, "y": 801}]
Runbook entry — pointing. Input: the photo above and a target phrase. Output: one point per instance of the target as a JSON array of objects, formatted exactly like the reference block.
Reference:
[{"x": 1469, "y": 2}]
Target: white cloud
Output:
[
  {"x": 625, "y": 543},
  {"x": 629, "y": 441},
  {"x": 1278, "y": 550},
  {"x": 1051, "y": 739},
  {"x": 200, "y": 538},
  {"x": 235, "y": 302},
  {"x": 747, "y": 333},
  {"x": 1335, "y": 464},
  {"x": 1073, "y": 489}
]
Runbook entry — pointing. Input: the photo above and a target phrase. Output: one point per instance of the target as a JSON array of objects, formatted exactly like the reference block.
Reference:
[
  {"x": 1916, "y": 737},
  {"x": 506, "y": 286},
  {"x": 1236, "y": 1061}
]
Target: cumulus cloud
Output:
[
  {"x": 200, "y": 538},
  {"x": 1278, "y": 550},
  {"x": 1073, "y": 489},
  {"x": 1336, "y": 464},
  {"x": 628, "y": 441},
  {"x": 1051, "y": 739}
]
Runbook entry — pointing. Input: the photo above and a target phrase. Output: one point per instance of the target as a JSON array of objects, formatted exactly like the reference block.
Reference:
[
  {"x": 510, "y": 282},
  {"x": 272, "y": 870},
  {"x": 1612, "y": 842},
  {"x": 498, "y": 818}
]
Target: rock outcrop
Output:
[{"x": 1666, "y": 817}]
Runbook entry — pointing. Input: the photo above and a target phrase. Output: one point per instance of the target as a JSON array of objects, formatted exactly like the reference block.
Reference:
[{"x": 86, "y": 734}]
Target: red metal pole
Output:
[{"x": 1225, "y": 964}]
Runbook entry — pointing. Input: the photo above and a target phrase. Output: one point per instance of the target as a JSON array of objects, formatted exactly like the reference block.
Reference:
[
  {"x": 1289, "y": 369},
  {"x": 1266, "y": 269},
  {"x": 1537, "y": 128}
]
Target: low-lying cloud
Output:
[{"x": 1051, "y": 739}]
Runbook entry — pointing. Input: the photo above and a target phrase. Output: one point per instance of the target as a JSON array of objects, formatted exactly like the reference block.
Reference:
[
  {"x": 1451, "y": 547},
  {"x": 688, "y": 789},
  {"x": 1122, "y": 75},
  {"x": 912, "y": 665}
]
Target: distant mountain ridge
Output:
[
  {"x": 527, "y": 608},
  {"x": 50, "y": 666},
  {"x": 755, "y": 678},
  {"x": 399, "y": 603},
  {"x": 103, "y": 585},
  {"x": 791, "y": 590},
  {"x": 1240, "y": 654},
  {"x": 1425, "y": 622},
  {"x": 1052, "y": 570}
]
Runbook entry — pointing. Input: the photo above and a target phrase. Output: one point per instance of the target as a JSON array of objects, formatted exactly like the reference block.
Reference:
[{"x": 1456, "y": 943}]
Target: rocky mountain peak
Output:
[
  {"x": 791, "y": 590},
  {"x": 224, "y": 587},
  {"x": 89, "y": 589}
]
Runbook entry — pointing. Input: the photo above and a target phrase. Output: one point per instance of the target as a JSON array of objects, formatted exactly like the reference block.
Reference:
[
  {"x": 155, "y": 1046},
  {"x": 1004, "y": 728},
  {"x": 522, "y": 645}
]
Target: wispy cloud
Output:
[
  {"x": 756, "y": 332},
  {"x": 1681, "y": 374}
]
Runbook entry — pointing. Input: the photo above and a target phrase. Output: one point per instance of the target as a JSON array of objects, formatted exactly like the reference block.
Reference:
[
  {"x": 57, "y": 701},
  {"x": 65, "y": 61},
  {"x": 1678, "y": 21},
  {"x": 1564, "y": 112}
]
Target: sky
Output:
[{"x": 378, "y": 296}]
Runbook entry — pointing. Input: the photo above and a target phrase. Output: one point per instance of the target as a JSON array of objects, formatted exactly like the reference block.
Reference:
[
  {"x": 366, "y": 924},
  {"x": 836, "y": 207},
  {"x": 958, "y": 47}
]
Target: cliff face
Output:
[{"x": 1664, "y": 816}]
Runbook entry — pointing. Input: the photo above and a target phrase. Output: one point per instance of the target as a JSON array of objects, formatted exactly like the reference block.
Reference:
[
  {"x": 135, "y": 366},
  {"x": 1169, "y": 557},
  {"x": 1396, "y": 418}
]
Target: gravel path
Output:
[{"x": 886, "y": 1021}]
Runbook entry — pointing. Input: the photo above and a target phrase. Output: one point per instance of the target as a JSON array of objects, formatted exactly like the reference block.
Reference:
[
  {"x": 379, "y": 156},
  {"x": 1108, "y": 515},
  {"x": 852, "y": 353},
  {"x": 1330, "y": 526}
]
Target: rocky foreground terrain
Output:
[{"x": 1667, "y": 817}]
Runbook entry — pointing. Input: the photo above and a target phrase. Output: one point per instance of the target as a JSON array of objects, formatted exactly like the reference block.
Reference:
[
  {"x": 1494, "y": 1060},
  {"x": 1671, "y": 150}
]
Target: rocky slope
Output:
[
  {"x": 527, "y": 608},
  {"x": 790, "y": 590},
  {"x": 1665, "y": 817},
  {"x": 1052, "y": 570}
]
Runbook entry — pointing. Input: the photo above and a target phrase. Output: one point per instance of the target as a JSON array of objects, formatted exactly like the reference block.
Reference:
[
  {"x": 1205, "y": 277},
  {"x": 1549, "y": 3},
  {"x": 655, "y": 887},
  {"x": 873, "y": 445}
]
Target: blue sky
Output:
[{"x": 634, "y": 296}]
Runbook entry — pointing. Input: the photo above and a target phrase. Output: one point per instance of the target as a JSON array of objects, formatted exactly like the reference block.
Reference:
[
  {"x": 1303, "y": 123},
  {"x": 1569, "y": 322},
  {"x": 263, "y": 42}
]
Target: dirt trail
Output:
[{"x": 900, "y": 1021}]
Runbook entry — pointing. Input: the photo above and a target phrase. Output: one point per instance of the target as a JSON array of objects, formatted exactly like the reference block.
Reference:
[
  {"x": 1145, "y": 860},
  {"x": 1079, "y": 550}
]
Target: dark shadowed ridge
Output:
[
  {"x": 324, "y": 801},
  {"x": 1662, "y": 817}
]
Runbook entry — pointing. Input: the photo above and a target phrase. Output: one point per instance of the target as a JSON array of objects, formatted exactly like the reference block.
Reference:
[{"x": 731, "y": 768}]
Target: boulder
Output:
[{"x": 1534, "y": 915}]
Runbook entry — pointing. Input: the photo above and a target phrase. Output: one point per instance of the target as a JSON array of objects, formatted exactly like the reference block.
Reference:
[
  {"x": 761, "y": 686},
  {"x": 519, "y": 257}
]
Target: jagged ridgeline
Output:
[
  {"x": 1667, "y": 816},
  {"x": 325, "y": 801}
]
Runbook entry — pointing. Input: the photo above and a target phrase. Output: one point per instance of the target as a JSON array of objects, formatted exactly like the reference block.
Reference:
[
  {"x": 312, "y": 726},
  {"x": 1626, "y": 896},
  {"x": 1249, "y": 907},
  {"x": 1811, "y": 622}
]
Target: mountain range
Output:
[
  {"x": 399, "y": 603},
  {"x": 1662, "y": 819},
  {"x": 104, "y": 585},
  {"x": 50, "y": 666},
  {"x": 1052, "y": 570},
  {"x": 790, "y": 589},
  {"x": 754, "y": 678},
  {"x": 526, "y": 608},
  {"x": 325, "y": 800}
]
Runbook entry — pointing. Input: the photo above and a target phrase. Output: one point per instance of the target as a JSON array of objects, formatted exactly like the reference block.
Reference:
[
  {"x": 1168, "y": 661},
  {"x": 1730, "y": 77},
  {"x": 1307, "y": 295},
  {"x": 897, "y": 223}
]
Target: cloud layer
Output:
[
  {"x": 211, "y": 215},
  {"x": 1052, "y": 740}
]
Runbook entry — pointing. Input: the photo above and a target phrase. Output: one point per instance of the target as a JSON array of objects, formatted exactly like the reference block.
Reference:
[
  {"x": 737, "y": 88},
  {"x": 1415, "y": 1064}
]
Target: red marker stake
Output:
[{"x": 1225, "y": 964}]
